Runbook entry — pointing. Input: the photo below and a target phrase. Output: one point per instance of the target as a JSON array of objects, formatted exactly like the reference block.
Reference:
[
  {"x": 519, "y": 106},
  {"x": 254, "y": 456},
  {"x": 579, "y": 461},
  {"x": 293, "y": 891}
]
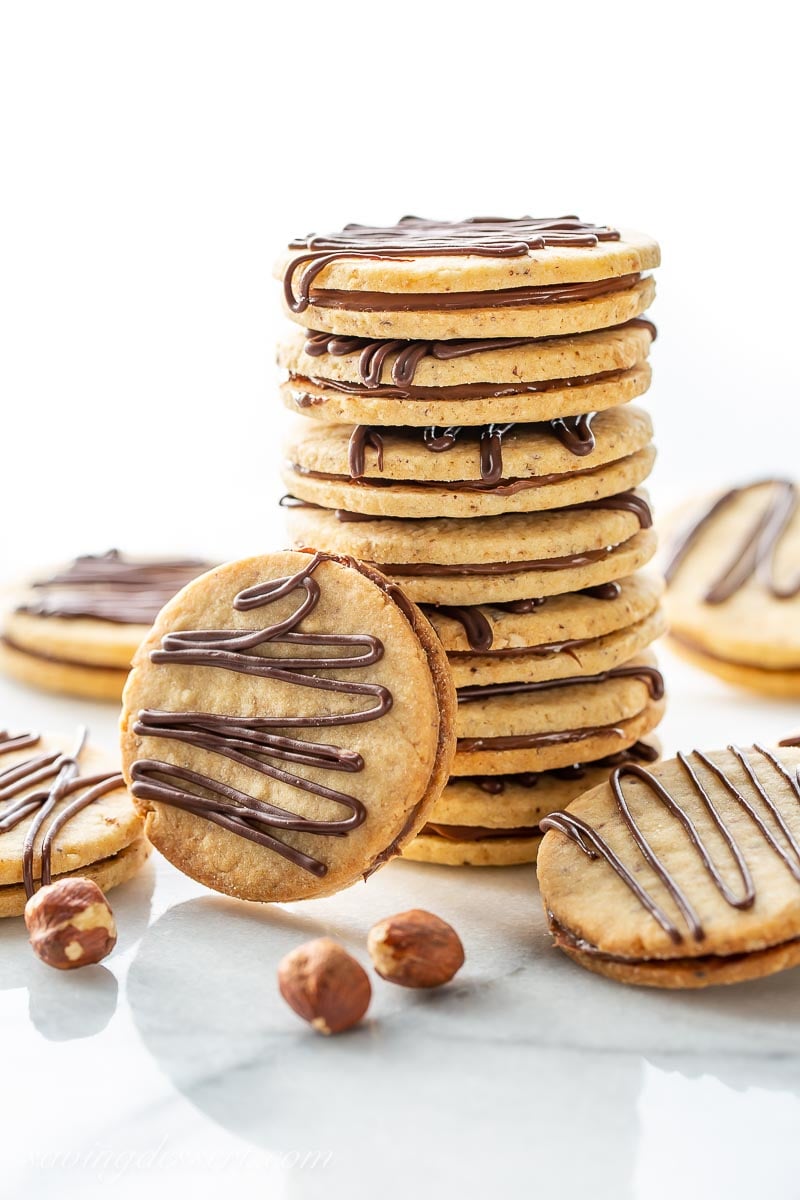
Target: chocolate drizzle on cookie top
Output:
[
  {"x": 60, "y": 777},
  {"x": 416, "y": 237},
  {"x": 258, "y": 743},
  {"x": 373, "y": 353},
  {"x": 754, "y": 555},
  {"x": 574, "y": 433},
  {"x": 785, "y": 847},
  {"x": 110, "y": 587}
]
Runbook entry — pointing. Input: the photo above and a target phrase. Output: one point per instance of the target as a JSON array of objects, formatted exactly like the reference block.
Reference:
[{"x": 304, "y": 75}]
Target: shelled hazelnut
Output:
[
  {"x": 415, "y": 949},
  {"x": 70, "y": 923},
  {"x": 325, "y": 985}
]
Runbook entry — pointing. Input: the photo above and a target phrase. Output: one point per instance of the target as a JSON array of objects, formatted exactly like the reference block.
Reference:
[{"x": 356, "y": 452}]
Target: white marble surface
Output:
[{"x": 176, "y": 1065}]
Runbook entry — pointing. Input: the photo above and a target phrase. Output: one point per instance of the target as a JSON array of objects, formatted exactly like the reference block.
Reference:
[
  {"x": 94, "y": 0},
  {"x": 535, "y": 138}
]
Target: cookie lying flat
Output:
[
  {"x": 471, "y": 382},
  {"x": 734, "y": 588},
  {"x": 465, "y": 472},
  {"x": 287, "y": 726},
  {"x": 581, "y": 633},
  {"x": 77, "y": 631},
  {"x": 485, "y": 277},
  {"x": 490, "y": 559},
  {"x": 510, "y": 727},
  {"x": 64, "y": 810},
  {"x": 682, "y": 876},
  {"x": 493, "y": 820}
]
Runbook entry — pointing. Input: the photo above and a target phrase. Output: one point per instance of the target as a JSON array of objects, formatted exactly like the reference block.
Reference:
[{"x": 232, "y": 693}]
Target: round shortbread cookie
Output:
[
  {"x": 55, "y": 675},
  {"x": 77, "y": 630},
  {"x": 490, "y": 559},
  {"x": 438, "y": 365},
  {"x": 590, "y": 656},
  {"x": 515, "y": 627},
  {"x": 310, "y": 398},
  {"x": 734, "y": 587},
  {"x": 501, "y": 756},
  {"x": 482, "y": 277},
  {"x": 772, "y": 682},
  {"x": 44, "y": 781},
  {"x": 491, "y": 852},
  {"x": 476, "y": 255},
  {"x": 107, "y": 873},
  {"x": 685, "y": 875},
  {"x": 530, "y": 726},
  {"x": 471, "y": 473},
  {"x": 287, "y": 726},
  {"x": 614, "y": 306},
  {"x": 464, "y": 382}
]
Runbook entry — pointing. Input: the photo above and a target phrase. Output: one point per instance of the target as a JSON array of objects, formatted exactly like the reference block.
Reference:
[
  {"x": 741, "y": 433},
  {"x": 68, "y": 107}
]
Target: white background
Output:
[{"x": 156, "y": 156}]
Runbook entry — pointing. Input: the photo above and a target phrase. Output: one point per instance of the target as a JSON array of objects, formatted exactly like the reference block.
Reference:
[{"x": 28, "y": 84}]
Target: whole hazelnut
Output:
[
  {"x": 415, "y": 949},
  {"x": 325, "y": 985},
  {"x": 70, "y": 923}
]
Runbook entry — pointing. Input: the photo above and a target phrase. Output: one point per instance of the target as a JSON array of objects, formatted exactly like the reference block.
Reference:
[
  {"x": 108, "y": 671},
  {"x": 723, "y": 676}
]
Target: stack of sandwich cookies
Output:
[
  {"x": 64, "y": 811},
  {"x": 76, "y": 631},
  {"x": 468, "y": 430},
  {"x": 734, "y": 587}
]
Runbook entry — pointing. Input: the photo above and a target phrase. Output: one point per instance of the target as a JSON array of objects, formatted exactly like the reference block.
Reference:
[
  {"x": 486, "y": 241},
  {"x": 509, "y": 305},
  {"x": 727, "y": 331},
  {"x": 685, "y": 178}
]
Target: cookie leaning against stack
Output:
[
  {"x": 287, "y": 725},
  {"x": 76, "y": 631},
  {"x": 466, "y": 391}
]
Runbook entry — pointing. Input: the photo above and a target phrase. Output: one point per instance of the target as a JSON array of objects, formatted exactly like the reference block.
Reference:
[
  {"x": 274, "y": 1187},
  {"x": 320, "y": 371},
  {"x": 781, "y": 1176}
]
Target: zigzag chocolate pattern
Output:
[
  {"x": 489, "y": 237},
  {"x": 61, "y": 773},
  {"x": 593, "y": 845},
  {"x": 249, "y": 740}
]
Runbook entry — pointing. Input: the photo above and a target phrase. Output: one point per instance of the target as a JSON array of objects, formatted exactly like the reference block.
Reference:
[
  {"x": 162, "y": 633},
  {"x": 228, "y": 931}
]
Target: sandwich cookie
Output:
[
  {"x": 504, "y": 728},
  {"x": 64, "y": 811},
  {"x": 483, "y": 277},
  {"x": 287, "y": 726},
  {"x": 734, "y": 587},
  {"x": 493, "y": 820},
  {"x": 77, "y": 630},
  {"x": 490, "y": 560},
  {"x": 465, "y": 381},
  {"x": 460, "y": 471},
  {"x": 581, "y": 633},
  {"x": 683, "y": 875}
]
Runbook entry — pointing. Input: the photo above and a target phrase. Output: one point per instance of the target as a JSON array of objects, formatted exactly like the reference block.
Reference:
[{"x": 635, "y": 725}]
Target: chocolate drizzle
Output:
[
  {"x": 754, "y": 556},
  {"x": 415, "y": 237},
  {"x": 495, "y": 785},
  {"x": 373, "y": 354},
  {"x": 109, "y": 587},
  {"x": 648, "y": 675},
  {"x": 478, "y": 628},
  {"x": 574, "y": 433},
  {"x": 250, "y": 740},
  {"x": 594, "y": 846},
  {"x": 61, "y": 777},
  {"x": 456, "y": 391},
  {"x": 520, "y": 297}
]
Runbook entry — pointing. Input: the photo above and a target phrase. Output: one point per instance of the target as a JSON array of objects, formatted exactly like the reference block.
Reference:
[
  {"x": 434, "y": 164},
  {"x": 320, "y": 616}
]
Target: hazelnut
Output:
[
  {"x": 415, "y": 949},
  {"x": 70, "y": 923},
  {"x": 324, "y": 985}
]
